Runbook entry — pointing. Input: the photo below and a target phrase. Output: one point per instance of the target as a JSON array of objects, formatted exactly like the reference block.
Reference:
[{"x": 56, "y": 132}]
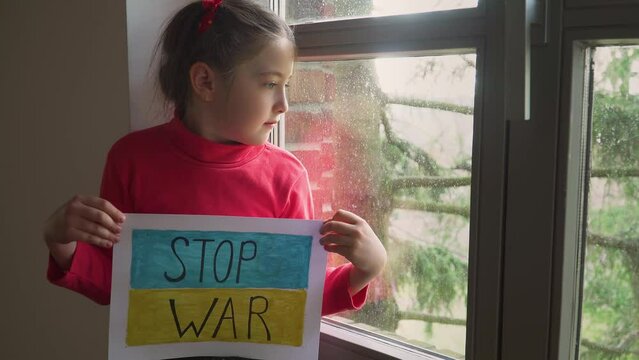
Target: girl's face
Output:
[{"x": 257, "y": 96}]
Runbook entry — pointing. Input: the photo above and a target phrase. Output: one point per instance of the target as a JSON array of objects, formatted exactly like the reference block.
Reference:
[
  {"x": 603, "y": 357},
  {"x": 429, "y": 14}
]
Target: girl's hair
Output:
[{"x": 240, "y": 30}]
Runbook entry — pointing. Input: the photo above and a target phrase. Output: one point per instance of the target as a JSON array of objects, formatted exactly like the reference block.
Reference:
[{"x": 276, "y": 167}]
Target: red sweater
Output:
[{"x": 169, "y": 170}]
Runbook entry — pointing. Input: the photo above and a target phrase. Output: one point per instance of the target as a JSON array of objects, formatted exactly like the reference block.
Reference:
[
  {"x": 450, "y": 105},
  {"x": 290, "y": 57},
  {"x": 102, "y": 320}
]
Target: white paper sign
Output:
[{"x": 216, "y": 286}]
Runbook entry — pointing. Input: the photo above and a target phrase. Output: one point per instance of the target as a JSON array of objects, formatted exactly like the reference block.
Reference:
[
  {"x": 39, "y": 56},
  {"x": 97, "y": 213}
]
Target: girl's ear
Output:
[{"x": 204, "y": 81}]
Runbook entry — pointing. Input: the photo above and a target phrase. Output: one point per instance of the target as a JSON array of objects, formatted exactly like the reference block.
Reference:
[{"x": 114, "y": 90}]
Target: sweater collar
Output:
[{"x": 204, "y": 150}]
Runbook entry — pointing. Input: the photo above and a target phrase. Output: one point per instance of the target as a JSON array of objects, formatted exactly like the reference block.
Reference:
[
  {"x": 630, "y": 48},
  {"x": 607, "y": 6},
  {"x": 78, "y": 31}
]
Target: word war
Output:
[{"x": 196, "y": 315}]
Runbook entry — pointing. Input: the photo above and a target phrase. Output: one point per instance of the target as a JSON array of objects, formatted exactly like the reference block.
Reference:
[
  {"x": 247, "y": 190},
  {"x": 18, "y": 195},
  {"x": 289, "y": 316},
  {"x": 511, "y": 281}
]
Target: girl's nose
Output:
[{"x": 281, "y": 103}]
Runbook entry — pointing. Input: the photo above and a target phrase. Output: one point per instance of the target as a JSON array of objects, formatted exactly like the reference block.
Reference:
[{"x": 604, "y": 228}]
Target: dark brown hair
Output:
[{"x": 240, "y": 30}]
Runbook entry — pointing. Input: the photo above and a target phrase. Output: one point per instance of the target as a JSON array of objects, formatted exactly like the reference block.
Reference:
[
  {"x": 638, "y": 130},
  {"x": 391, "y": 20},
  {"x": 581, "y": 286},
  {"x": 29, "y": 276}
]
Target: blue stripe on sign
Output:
[{"x": 164, "y": 259}]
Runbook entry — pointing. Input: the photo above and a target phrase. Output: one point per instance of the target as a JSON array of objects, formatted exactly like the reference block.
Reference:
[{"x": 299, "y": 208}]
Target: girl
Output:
[{"x": 224, "y": 67}]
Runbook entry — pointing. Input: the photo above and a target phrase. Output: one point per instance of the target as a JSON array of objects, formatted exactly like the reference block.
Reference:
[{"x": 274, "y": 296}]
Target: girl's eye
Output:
[{"x": 272, "y": 85}]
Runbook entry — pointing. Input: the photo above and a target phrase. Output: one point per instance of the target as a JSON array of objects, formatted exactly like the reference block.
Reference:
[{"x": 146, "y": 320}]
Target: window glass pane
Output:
[
  {"x": 301, "y": 11},
  {"x": 610, "y": 304},
  {"x": 391, "y": 140}
]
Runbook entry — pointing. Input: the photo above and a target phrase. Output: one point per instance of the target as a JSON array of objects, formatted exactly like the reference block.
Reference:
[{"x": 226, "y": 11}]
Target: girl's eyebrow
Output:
[{"x": 274, "y": 73}]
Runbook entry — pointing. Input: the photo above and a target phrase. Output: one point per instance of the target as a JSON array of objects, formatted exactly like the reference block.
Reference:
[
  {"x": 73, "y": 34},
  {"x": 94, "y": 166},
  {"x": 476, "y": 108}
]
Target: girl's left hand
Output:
[{"x": 350, "y": 236}]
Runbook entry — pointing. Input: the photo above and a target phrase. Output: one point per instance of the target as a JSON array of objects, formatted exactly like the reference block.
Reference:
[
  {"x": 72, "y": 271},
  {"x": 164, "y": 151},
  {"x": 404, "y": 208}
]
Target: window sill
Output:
[{"x": 341, "y": 341}]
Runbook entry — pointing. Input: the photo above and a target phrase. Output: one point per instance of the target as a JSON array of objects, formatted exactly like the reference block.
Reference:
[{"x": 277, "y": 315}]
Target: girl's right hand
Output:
[{"x": 84, "y": 218}]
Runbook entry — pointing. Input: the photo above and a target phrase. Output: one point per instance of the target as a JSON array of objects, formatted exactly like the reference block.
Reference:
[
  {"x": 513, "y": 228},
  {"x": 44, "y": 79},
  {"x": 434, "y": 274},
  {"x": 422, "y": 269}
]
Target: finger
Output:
[
  {"x": 347, "y": 217},
  {"x": 105, "y": 206},
  {"x": 95, "y": 229},
  {"x": 89, "y": 238},
  {"x": 336, "y": 239},
  {"x": 338, "y": 227},
  {"x": 100, "y": 217},
  {"x": 338, "y": 249}
]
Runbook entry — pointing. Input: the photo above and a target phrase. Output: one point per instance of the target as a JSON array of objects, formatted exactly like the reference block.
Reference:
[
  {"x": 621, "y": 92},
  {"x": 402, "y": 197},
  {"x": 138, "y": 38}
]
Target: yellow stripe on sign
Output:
[{"x": 266, "y": 316}]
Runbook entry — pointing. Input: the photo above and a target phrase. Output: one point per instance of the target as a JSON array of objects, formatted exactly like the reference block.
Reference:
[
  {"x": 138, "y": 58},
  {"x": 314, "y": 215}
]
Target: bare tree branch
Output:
[
  {"x": 438, "y": 208},
  {"x": 437, "y": 105},
  {"x": 629, "y": 339},
  {"x": 429, "y": 181},
  {"x": 629, "y": 245},
  {"x": 607, "y": 348},
  {"x": 468, "y": 62},
  {"x": 466, "y": 166},
  {"x": 413, "y": 315},
  {"x": 413, "y": 152},
  {"x": 614, "y": 172}
]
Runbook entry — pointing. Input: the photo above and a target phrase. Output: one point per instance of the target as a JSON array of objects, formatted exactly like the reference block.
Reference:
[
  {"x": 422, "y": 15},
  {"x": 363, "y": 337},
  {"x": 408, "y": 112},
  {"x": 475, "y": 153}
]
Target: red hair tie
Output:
[{"x": 210, "y": 8}]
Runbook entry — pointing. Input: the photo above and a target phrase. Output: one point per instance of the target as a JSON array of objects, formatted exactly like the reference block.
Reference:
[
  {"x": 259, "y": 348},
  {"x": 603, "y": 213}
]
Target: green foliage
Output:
[
  {"x": 396, "y": 162},
  {"x": 615, "y": 136},
  {"x": 438, "y": 276},
  {"x": 399, "y": 165},
  {"x": 619, "y": 70},
  {"x": 615, "y": 118},
  {"x": 383, "y": 314},
  {"x": 610, "y": 296},
  {"x": 595, "y": 354},
  {"x": 615, "y": 130},
  {"x": 610, "y": 308},
  {"x": 617, "y": 221}
]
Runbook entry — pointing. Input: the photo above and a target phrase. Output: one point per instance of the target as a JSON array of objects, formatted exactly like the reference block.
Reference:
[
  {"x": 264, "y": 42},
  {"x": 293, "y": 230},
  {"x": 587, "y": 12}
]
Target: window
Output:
[
  {"x": 597, "y": 309},
  {"x": 391, "y": 140},
  {"x": 301, "y": 11},
  {"x": 610, "y": 292}
]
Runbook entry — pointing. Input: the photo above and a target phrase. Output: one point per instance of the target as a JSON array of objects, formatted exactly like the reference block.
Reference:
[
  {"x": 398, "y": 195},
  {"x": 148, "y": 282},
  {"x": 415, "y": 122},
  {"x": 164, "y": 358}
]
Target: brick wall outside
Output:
[
  {"x": 314, "y": 135},
  {"x": 310, "y": 133}
]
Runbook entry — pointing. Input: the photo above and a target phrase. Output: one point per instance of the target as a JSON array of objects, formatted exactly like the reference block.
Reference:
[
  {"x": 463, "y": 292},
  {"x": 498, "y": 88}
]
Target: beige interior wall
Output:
[{"x": 63, "y": 101}]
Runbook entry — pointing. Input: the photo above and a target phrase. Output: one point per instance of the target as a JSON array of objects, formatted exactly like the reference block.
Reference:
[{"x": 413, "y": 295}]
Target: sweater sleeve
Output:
[
  {"x": 336, "y": 297},
  {"x": 90, "y": 271}
]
